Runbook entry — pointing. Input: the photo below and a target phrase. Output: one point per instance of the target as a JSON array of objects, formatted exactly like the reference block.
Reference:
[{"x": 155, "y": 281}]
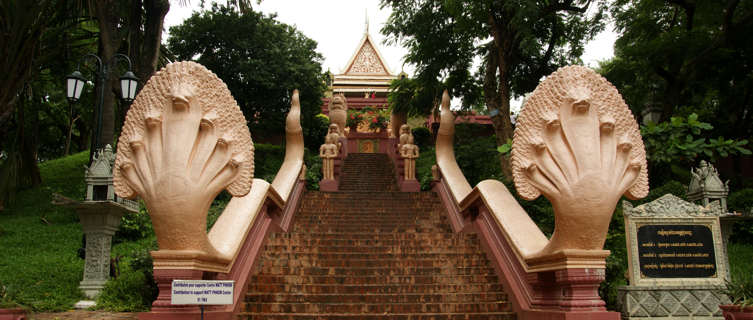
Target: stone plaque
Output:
[
  {"x": 676, "y": 251},
  {"x": 676, "y": 261}
]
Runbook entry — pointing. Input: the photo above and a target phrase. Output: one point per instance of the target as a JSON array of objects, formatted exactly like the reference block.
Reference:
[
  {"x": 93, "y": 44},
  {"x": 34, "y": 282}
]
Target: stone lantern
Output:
[
  {"x": 706, "y": 186},
  {"x": 100, "y": 215}
]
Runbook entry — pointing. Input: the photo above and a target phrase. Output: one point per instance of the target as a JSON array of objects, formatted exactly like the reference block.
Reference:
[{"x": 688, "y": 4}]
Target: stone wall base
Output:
[{"x": 671, "y": 302}]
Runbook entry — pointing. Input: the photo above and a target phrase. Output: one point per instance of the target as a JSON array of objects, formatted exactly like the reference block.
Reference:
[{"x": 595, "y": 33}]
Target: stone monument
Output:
[
  {"x": 100, "y": 215},
  {"x": 676, "y": 259}
]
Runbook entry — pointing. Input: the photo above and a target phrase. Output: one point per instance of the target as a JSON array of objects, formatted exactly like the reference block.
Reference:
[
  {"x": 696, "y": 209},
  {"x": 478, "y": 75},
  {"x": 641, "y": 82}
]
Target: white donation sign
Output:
[{"x": 202, "y": 292}]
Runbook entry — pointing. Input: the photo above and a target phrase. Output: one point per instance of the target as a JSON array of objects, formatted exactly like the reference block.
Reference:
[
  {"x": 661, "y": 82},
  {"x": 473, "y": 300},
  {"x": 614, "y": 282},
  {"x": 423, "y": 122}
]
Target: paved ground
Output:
[{"x": 82, "y": 315}]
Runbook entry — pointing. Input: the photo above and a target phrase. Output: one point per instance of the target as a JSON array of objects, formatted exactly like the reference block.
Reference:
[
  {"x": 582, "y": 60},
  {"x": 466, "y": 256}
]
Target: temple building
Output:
[{"x": 365, "y": 80}]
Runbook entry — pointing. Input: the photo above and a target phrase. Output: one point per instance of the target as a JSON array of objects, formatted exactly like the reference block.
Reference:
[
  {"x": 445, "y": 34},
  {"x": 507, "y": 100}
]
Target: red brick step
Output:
[{"x": 369, "y": 252}]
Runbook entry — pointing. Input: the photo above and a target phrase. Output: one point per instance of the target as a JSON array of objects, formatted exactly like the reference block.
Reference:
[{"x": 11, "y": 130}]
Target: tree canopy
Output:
[
  {"x": 681, "y": 57},
  {"x": 518, "y": 42},
  {"x": 260, "y": 59}
]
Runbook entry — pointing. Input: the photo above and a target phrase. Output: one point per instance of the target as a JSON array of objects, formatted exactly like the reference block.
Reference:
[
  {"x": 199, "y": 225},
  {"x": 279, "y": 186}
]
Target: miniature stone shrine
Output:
[
  {"x": 100, "y": 215},
  {"x": 676, "y": 260},
  {"x": 705, "y": 185}
]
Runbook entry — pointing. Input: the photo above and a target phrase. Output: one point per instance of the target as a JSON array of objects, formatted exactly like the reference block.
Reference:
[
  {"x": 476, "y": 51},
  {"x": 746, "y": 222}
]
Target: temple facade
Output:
[{"x": 365, "y": 80}]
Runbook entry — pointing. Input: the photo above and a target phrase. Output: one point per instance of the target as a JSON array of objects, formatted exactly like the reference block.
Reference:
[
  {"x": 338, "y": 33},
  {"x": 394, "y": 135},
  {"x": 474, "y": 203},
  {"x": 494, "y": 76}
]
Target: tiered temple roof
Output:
[{"x": 366, "y": 78}]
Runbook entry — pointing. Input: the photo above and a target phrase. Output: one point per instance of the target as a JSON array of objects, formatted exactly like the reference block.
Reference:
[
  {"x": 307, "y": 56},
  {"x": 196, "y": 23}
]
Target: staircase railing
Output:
[
  {"x": 555, "y": 278},
  {"x": 203, "y": 107}
]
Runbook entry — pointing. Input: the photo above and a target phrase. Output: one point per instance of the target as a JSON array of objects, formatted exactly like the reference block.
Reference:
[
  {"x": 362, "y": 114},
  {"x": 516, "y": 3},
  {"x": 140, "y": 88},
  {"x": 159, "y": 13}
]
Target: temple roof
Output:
[
  {"x": 366, "y": 71},
  {"x": 366, "y": 60}
]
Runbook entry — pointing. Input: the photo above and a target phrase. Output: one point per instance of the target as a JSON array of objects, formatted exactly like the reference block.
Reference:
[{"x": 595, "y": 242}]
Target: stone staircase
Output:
[
  {"x": 370, "y": 253},
  {"x": 367, "y": 172}
]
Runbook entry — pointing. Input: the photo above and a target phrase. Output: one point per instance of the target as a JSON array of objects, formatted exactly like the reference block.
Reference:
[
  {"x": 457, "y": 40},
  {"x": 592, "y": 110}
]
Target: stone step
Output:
[
  {"x": 370, "y": 249},
  {"x": 372, "y": 235},
  {"x": 393, "y": 316},
  {"x": 310, "y": 242},
  {"x": 375, "y": 280},
  {"x": 370, "y": 254},
  {"x": 354, "y": 229},
  {"x": 378, "y": 308},
  {"x": 377, "y": 298},
  {"x": 316, "y": 260},
  {"x": 368, "y": 211},
  {"x": 375, "y": 288},
  {"x": 381, "y": 217},
  {"x": 375, "y": 271}
]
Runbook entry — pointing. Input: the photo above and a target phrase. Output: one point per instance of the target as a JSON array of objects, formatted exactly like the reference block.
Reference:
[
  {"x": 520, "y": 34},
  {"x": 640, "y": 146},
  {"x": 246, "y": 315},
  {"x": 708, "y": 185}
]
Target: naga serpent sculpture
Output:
[
  {"x": 184, "y": 140},
  {"x": 577, "y": 143}
]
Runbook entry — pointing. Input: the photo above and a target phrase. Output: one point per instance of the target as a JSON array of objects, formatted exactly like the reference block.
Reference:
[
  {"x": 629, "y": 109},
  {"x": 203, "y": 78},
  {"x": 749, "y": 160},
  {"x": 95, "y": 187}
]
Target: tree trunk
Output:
[
  {"x": 20, "y": 169},
  {"x": 497, "y": 90},
  {"x": 108, "y": 16},
  {"x": 147, "y": 58}
]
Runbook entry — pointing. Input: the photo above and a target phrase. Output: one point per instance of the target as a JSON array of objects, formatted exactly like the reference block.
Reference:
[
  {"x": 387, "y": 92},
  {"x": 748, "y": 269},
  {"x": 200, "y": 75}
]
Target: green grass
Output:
[
  {"x": 740, "y": 258},
  {"x": 39, "y": 265},
  {"x": 39, "y": 242}
]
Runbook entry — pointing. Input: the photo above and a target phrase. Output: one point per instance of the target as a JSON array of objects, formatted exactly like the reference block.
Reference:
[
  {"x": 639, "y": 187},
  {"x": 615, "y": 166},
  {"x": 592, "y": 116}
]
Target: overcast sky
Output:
[{"x": 338, "y": 26}]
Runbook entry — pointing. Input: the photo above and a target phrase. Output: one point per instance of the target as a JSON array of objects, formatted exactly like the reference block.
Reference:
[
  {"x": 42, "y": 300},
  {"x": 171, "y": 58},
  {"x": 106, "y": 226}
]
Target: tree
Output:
[
  {"x": 260, "y": 60},
  {"x": 681, "y": 57},
  {"x": 140, "y": 40},
  {"x": 26, "y": 47},
  {"x": 518, "y": 42},
  {"x": 22, "y": 25}
]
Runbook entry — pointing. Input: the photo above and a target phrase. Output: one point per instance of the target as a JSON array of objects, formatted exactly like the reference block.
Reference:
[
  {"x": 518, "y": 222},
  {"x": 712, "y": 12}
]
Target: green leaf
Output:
[{"x": 504, "y": 149}]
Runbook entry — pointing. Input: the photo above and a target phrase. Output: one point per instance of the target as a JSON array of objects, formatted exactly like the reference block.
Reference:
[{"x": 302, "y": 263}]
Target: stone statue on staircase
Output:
[
  {"x": 409, "y": 152},
  {"x": 329, "y": 151},
  {"x": 403, "y": 137},
  {"x": 338, "y": 112}
]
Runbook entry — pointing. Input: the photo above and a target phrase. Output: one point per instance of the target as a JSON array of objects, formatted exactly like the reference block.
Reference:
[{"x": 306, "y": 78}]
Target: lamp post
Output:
[
  {"x": 75, "y": 83},
  {"x": 102, "y": 210}
]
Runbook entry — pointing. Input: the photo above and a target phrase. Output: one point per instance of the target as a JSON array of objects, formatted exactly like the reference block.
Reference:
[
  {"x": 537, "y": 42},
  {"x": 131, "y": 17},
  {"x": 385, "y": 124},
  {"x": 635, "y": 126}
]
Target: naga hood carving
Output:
[
  {"x": 184, "y": 140},
  {"x": 577, "y": 143}
]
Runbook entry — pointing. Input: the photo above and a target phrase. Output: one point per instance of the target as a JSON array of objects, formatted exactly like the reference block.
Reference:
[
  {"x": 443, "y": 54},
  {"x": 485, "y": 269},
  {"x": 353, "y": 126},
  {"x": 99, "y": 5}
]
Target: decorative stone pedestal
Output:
[
  {"x": 100, "y": 216},
  {"x": 99, "y": 220}
]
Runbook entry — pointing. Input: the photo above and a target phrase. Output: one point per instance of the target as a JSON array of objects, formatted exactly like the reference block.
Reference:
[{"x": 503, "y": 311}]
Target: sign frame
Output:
[
  {"x": 637, "y": 279},
  {"x": 213, "y": 292}
]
